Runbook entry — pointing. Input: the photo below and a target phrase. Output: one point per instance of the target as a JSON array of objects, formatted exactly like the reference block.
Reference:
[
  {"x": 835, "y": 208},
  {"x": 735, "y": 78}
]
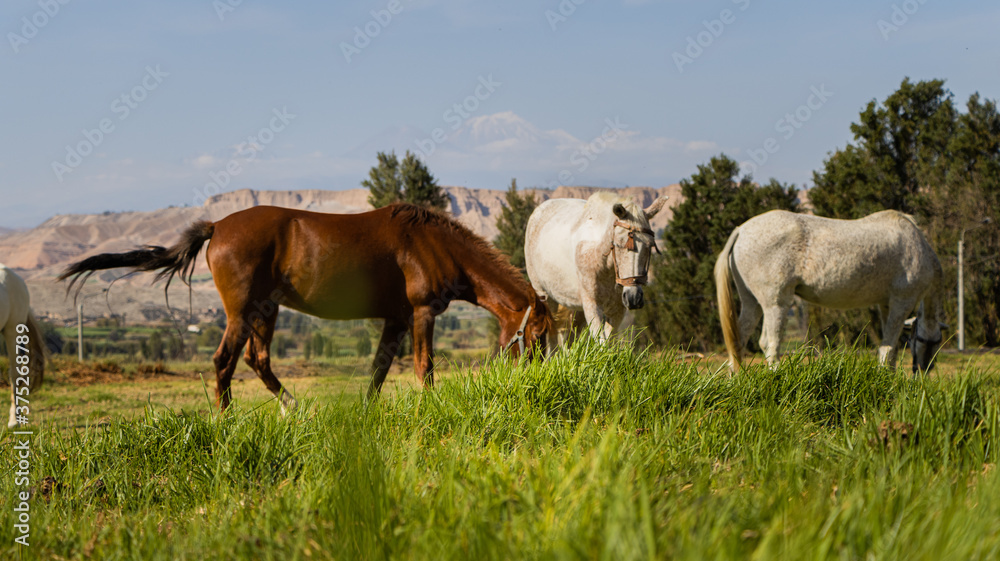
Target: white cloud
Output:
[
  {"x": 204, "y": 161},
  {"x": 506, "y": 143}
]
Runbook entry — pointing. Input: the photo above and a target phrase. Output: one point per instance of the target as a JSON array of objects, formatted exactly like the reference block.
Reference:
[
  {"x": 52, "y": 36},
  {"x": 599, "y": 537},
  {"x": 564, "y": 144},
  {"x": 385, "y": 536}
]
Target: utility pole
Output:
[
  {"x": 79, "y": 331},
  {"x": 79, "y": 324},
  {"x": 961, "y": 283}
]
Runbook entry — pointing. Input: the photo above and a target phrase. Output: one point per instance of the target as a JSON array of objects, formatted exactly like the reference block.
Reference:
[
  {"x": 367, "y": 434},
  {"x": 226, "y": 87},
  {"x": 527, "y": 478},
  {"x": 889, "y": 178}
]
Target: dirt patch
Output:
[
  {"x": 108, "y": 371},
  {"x": 47, "y": 487},
  {"x": 896, "y": 433}
]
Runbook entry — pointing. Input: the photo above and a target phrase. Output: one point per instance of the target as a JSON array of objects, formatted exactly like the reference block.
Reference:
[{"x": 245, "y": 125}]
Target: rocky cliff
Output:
[{"x": 40, "y": 253}]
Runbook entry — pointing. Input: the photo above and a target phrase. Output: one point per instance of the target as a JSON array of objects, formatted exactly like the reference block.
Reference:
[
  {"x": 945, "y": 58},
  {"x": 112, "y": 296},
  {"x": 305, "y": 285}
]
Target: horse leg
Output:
[
  {"x": 750, "y": 314},
  {"x": 578, "y": 325},
  {"x": 616, "y": 318},
  {"x": 892, "y": 328},
  {"x": 774, "y": 326},
  {"x": 423, "y": 345},
  {"x": 258, "y": 357},
  {"x": 595, "y": 319},
  {"x": 12, "y": 375},
  {"x": 227, "y": 356},
  {"x": 388, "y": 344},
  {"x": 883, "y": 315}
]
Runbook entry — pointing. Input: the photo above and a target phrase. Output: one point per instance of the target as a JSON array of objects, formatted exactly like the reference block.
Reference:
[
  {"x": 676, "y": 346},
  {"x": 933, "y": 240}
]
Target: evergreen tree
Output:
[
  {"x": 384, "y": 184},
  {"x": 363, "y": 346},
  {"x": 153, "y": 350},
  {"x": 318, "y": 343},
  {"x": 419, "y": 186},
  {"x": 280, "y": 345},
  {"x": 513, "y": 223},
  {"x": 407, "y": 181},
  {"x": 680, "y": 307},
  {"x": 895, "y": 160},
  {"x": 970, "y": 203},
  {"x": 210, "y": 337},
  {"x": 175, "y": 346},
  {"x": 915, "y": 152}
]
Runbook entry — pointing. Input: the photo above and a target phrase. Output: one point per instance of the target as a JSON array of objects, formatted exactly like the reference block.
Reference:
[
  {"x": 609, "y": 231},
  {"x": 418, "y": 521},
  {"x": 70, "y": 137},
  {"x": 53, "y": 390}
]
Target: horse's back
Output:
[
  {"x": 285, "y": 234},
  {"x": 549, "y": 248},
  {"x": 310, "y": 260},
  {"x": 832, "y": 262}
]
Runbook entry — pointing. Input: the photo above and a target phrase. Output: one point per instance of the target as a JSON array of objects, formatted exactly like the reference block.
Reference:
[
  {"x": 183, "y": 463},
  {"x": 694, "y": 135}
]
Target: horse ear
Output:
[
  {"x": 655, "y": 207},
  {"x": 619, "y": 210},
  {"x": 543, "y": 297}
]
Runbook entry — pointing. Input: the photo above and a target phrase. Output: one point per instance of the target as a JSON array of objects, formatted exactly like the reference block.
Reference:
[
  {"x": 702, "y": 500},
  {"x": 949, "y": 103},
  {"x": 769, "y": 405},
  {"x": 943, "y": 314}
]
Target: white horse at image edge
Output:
[
  {"x": 881, "y": 260},
  {"x": 579, "y": 252},
  {"x": 14, "y": 311}
]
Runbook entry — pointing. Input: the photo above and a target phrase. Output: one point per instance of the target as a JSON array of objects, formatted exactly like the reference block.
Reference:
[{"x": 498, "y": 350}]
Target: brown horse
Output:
[{"x": 402, "y": 263}]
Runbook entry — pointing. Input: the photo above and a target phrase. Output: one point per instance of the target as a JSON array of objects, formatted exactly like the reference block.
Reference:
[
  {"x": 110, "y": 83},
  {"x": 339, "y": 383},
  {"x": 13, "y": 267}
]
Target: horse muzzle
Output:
[{"x": 632, "y": 297}]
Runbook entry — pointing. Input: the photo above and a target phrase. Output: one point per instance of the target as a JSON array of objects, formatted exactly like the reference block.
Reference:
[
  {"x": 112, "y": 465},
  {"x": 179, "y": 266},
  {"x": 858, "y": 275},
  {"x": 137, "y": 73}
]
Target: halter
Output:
[
  {"x": 928, "y": 342},
  {"x": 519, "y": 336},
  {"x": 637, "y": 280}
]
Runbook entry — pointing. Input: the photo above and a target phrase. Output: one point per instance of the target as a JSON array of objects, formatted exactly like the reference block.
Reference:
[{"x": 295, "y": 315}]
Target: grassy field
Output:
[{"x": 599, "y": 453}]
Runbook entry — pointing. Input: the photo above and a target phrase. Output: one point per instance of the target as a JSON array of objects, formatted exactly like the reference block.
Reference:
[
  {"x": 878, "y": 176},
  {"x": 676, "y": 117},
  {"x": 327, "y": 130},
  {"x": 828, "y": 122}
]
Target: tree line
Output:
[{"x": 915, "y": 151}]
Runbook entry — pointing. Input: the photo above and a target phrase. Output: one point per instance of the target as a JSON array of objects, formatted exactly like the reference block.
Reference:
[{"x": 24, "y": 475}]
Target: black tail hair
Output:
[{"x": 176, "y": 260}]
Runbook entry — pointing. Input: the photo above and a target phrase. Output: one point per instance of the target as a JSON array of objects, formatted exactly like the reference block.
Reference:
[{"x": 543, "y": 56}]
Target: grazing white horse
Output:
[
  {"x": 14, "y": 311},
  {"x": 578, "y": 252},
  {"x": 881, "y": 260}
]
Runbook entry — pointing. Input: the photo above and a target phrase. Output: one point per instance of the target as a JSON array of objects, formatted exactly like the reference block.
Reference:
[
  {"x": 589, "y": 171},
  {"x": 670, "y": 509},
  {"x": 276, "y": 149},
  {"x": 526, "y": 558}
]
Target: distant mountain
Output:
[
  {"x": 39, "y": 254},
  {"x": 507, "y": 131}
]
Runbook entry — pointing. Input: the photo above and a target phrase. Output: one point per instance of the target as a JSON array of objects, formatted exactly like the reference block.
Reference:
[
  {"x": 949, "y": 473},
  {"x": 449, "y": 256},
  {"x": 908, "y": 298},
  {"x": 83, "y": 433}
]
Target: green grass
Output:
[{"x": 598, "y": 453}]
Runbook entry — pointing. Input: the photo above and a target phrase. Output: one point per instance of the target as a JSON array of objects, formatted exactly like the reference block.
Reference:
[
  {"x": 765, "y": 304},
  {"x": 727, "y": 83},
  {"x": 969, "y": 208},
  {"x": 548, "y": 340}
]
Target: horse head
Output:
[
  {"x": 527, "y": 331},
  {"x": 925, "y": 341},
  {"x": 632, "y": 244}
]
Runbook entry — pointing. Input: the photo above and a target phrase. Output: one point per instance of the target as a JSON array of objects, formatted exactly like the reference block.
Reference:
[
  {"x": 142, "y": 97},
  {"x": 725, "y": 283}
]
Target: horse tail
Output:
[
  {"x": 727, "y": 307},
  {"x": 175, "y": 260},
  {"x": 37, "y": 350}
]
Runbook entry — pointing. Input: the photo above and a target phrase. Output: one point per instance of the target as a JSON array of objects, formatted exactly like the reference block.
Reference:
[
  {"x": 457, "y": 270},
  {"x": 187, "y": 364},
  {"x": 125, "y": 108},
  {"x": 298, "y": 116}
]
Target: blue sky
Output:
[{"x": 236, "y": 94}]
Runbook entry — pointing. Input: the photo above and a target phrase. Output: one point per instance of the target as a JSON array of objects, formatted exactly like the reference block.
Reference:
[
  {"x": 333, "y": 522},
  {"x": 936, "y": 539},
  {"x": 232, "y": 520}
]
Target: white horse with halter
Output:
[{"x": 591, "y": 256}]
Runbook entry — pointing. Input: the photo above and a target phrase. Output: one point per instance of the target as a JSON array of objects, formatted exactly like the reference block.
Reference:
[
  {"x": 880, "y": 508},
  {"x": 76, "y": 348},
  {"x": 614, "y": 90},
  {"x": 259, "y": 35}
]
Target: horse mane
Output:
[
  {"x": 413, "y": 215},
  {"x": 604, "y": 200}
]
